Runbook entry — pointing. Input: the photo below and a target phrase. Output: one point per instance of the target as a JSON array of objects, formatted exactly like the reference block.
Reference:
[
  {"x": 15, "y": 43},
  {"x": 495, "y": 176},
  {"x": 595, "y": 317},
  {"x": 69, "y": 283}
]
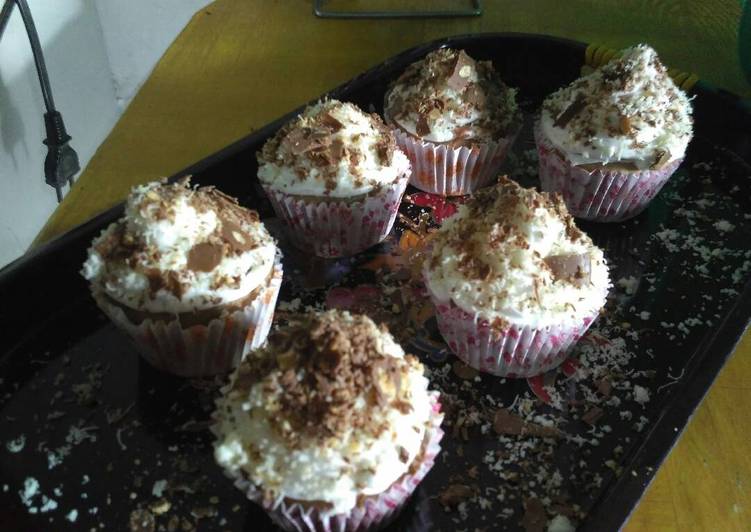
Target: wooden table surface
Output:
[{"x": 239, "y": 64}]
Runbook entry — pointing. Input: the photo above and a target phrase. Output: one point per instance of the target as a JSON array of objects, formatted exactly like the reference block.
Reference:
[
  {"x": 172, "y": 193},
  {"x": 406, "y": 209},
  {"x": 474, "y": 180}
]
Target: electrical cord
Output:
[{"x": 61, "y": 163}]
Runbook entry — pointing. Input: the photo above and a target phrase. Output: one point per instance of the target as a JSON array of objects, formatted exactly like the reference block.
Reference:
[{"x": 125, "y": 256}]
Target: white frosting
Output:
[
  {"x": 359, "y": 135},
  {"x": 168, "y": 242},
  {"x": 633, "y": 87},
  {"x": 337, "y": 471},
  {"x": 509, "y": 291},
  {"x": 456, "y": 112}
]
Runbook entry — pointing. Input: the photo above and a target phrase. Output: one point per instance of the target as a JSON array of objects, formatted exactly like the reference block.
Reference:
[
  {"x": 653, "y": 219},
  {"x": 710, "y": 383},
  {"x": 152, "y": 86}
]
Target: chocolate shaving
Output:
[
  {"x": 205, "y": 257},
  {"x": 575, "y": 269},
  {"x": 461, "y": 71},
  {"x": 535, "y": 518},
  {"x": 571, "y": 111},
  {"x": 454, "y": 494},
  {"x": 592, "y": 415},
  {"x": 662, "y": 158},
  {"x": 504, "y": 422},
  {"x": 422, "y": 128}
]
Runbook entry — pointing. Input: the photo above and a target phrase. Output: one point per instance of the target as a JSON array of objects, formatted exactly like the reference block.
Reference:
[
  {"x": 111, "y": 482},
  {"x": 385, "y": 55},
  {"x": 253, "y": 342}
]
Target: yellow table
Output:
[{"x": 240, "y": 63}]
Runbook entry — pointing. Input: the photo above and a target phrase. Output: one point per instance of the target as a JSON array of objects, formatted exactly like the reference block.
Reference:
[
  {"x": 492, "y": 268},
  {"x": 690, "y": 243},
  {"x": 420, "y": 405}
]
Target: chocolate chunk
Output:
[
  {"x": 336, "y": 150},
  {"x": 304, "y": 140},
  {"x": 454, "y": 494},
  {"x": 330, "y": 122},
  {"x": 571, "y": 111},
  {"x": 205, "y": 257},
  {"x": 385, "y": 151},
  {"x": 604, "y": 386},
  {"x": 403, "y": 454},
  {"x": 575, "y": 269},
  {"x": 461, "y": 71},
  {"x": 236, "y": 237},
  {"x": 464, "y": 371},
  {"x": 475, "y": 95},
  {"x": 624, "y": 123},
  {"x": 504, "y": 422},
  {"x": 592, "y": 415},
  {"x": 535, "y": 518},
  {"x": 422, "y": 128}
]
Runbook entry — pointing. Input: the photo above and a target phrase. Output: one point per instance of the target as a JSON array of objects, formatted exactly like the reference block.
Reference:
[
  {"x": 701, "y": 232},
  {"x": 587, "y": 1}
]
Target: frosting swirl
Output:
[
  {"x": 450, "y": 97},
  {"x": 332, "y": 149},
  {"x": 514, "y": 255},
  {"x": 330, "y": 409},
  {"x": 179, "y": 249},
  {"x": 629, "y": 111}
]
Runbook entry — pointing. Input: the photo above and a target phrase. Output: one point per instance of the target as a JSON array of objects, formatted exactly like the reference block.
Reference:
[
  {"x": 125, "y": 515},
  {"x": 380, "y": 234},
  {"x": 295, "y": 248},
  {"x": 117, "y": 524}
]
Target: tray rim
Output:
[{"x": 624, "y": 492}]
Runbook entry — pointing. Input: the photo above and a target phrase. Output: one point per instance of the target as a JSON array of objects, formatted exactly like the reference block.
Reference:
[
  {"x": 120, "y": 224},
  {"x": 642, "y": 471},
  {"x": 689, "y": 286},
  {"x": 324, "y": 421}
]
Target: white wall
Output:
[
  {"x": 136, "y": 34},
  {"x": 98, "y": 53}
]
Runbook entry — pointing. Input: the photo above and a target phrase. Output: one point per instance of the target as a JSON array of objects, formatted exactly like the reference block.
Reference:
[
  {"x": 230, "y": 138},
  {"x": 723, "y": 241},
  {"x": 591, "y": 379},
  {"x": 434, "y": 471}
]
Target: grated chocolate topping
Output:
[
  {"x": 317, "y": 371},
  {"x": 449, "y": 85},
  {"x": 318, "y": 138}
]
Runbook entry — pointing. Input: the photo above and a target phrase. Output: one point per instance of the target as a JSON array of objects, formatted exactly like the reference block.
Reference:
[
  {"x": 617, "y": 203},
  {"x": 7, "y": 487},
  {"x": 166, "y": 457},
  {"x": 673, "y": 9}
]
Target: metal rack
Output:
[{"x": 474, "y": 10}]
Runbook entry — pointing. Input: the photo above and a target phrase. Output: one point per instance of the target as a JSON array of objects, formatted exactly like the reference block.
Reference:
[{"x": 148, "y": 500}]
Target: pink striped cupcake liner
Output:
[
  {"x": 518, "y": 351},
  {"x": 201, "y": 350},
  {"x": 373, "y": 512},
  {"x": 453, "y": 171},
  {"x": 334, "y": 227},
  {"x": 599, "y": 195}
]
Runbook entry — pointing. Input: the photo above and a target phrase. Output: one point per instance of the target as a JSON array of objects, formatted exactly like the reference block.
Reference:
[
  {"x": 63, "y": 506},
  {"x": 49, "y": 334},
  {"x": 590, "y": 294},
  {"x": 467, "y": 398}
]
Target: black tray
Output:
[{"x": 98, "y": 429}]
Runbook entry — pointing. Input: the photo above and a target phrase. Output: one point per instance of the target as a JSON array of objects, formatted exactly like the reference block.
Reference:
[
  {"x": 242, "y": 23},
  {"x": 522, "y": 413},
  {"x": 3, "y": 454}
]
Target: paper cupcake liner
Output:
[
  {"x": 453, "y": 171},
  {"x": 519, "y": 351},
  {"x": 373, "y": 512},
  {"x": 599, "y": 195},
  {"x": 201, "y": 350},
  {"x": 335, "y": 227}
]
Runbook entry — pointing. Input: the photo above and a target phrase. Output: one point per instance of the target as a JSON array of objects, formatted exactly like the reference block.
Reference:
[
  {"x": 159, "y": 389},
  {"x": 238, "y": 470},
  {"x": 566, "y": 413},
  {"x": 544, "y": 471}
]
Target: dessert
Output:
[
  {"x": 329, "y": 426},
  {"x": 609, "y": 141},
  {"x": 515, "y": 283},
  {"x": 336, "y": 177},
  {"x": 455, "y": 119},
  {"x": 189, "y": 274}
]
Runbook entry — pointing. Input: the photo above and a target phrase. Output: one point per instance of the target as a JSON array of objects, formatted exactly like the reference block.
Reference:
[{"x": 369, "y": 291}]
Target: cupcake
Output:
[
  {"x": 514, "y": 282},
  {"x": 329, "y": 426},
  {"x": 609, "y": 141},
  {"x": 336, "y": 177},
  {"x": 190, "y": 275},
  {"x": 455, "y": 119}
]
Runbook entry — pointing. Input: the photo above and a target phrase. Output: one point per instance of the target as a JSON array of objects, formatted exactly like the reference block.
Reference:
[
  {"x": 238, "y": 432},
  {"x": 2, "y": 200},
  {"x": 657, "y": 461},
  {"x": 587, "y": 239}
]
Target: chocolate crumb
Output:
[
  {"x": 535, "y": 518},
  {"x": 455, "y": 494},
  {"x": 463, "y": 371},
  {"x": 592, "y": 415}
]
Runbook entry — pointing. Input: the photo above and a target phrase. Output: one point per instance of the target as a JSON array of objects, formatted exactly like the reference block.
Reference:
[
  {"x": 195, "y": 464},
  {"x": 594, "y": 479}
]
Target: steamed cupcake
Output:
[
  {"x": 515, "y": 283},
  {"x": 189, "y": 274},
  {"x": 455, "y": 119},
  {"x": 329, "y": 426},
  {"x": 609, "y": 141},
  {"x": 336, "y": 177}
]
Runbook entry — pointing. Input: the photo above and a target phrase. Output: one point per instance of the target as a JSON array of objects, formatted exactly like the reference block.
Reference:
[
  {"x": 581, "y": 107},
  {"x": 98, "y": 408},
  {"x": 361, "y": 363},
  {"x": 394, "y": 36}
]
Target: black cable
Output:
[
  {"x": 61, "y": 163},
  {"x": 36, "y": 50}
]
